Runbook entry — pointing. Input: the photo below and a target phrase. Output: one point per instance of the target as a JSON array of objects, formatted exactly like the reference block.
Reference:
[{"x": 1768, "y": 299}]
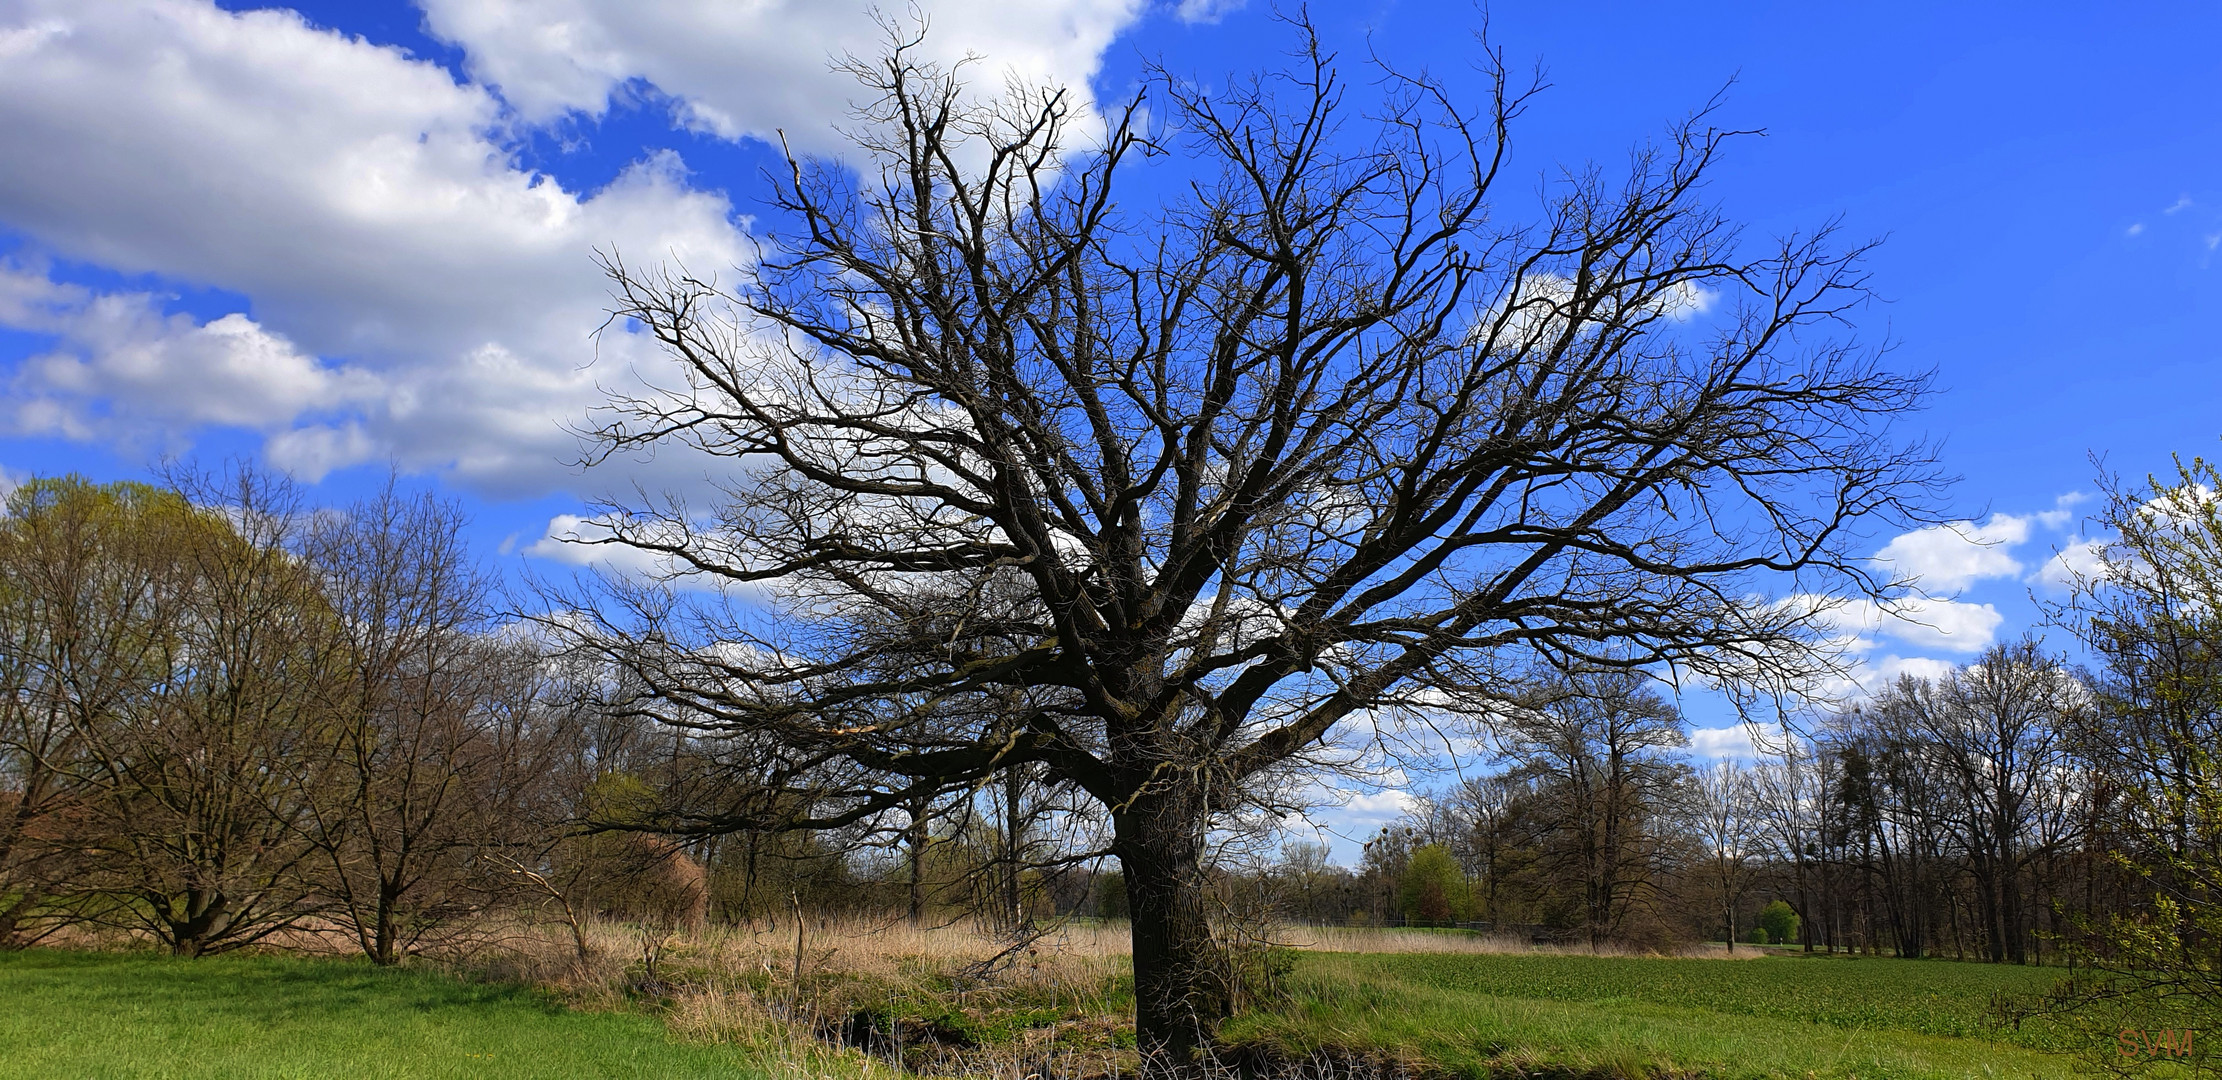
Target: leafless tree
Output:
[
  {"x": 1600, "y": 748},
  {"x": 1210, "y": 482},
  {"x": 1898, "y": 818},
  {"x": 418, "y": 779},
  {"x": 1792, "y": 799},
  {"x": 1724, "y": 823},
  {"x": 1989, "y": 738},
  {"x": 78, "y": 606}
]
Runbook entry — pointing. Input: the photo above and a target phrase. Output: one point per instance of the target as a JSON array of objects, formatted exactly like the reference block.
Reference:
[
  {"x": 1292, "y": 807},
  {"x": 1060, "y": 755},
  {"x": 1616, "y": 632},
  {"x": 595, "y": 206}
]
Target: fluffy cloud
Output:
[
  {"x": 2073, "y": 564},
  {"x": 415, "y": 294},
  {"x": 1733, "y": 741},
  {"x": 121, "y": 370},
  {"x": 1940, "y": 625},
  {"x": 1944, "y": 559},
  {"x": 1869, "y": 674},
  {"x": 1361, "y": 811},
  {"x": 1746, "y": 740},
  {"x": 363, "y": 203},
  {"x": 576, "y": 540},
  {"x": 2062, "y": 513},
  {"x": 1877, "y": 672},
  {"x": 1206, "y": 11},
  {"x": 759, "y": 68}
]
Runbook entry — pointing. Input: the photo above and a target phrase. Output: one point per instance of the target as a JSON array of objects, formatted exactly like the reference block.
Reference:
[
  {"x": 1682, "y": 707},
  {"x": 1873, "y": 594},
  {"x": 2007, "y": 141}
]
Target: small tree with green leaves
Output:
[
  {"x": 2150, "y": 611},
  {"x": 1778, "y": 922},
  {"x": 1433, "y": 889}
]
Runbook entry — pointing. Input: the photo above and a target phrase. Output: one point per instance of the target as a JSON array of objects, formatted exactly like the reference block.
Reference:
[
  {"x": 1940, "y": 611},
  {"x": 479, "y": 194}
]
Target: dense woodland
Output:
[{"x": 231, "y": 714}]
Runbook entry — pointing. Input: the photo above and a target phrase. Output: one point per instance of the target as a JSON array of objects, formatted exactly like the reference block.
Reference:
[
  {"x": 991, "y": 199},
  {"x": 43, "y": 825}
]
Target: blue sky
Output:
[{"x": 359, "y": 233}]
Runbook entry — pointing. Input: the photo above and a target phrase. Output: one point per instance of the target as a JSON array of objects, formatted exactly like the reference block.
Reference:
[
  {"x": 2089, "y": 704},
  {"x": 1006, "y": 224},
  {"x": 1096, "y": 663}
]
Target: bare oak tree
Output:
[
  {"x": 1599, "y": 747},
  {"x": 422, "y": 768},
  {"x": 1723, "y": 818},
  {"x": 1196, "y": 444}
]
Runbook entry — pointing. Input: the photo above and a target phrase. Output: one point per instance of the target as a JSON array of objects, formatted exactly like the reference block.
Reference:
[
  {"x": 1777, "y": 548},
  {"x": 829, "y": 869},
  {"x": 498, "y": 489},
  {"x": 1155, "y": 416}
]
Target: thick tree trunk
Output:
[
  {"x": 205, "y": 913},
  {"x": 1178, "y": 995},
  {"x": 1987, "y": 910},
  {"x": 385, "y": 935},
  {"x": 2014, "y": 938}
]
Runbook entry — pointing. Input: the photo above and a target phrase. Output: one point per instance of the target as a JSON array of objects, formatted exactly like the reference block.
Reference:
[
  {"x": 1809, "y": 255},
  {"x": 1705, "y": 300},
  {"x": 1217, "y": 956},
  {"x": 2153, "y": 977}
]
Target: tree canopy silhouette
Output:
[{"x": 1162, "y": 455}]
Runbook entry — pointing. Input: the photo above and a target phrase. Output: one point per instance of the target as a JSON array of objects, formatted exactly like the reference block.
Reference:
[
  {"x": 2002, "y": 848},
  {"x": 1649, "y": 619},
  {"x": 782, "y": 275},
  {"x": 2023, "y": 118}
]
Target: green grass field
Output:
[
  {"x": 1478, "y": 1015},
  {"x": 1467, "y": 1015},
  {"x": 141, "y": 1015}
]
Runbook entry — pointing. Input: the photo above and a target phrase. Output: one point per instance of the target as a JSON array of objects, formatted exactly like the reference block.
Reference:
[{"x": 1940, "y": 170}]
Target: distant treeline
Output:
[
  {"x": 1970, "y": 815},
  {"x": 226, "y": 713},
  {"x": 2019, "y": 808}
]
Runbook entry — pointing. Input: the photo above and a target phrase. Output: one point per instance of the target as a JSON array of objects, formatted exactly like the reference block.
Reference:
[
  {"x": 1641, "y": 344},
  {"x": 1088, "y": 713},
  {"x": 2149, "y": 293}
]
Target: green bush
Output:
[
  {"x": 1780, "y": 921},
  {"x": 1111, "y": 895},
  {"x": 1758, "y": 935},
  {"x": 1433, "y": 888}
]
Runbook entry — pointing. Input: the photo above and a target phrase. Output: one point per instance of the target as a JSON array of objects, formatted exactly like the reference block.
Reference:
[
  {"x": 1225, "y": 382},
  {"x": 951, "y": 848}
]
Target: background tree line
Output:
[
  {"x": 1961, "y": 815},
  {"x": 2021, "y": 808},
  {"x": 227, "y": 715}
]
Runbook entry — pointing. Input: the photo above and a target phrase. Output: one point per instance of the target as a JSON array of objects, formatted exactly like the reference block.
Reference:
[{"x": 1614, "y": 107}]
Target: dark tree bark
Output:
[
  {"x": 917, "y": 833},
  {"x": 1162, "y": 497},
  {"x": 1178, "y": 995}
]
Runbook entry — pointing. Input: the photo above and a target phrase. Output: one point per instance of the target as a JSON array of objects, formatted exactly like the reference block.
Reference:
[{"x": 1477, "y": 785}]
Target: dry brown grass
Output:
[
  {"x": 738, "y": 974},
  {"x": 859, "y": 995},
  {"x": 880, "y": 996}
]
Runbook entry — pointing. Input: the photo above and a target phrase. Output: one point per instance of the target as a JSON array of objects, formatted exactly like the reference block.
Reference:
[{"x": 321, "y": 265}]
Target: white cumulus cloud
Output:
[
  {"x": 121, "y": 370},
  {"x": 1206, "y": 11},
  {"x": 2062, "y": 513},
  {"x": 756, "y": 69},
  {"x": 1733, "y": 741},
  {"x": 1941, "y": 625},
  {"x": 1877, "y": 672},
  {"x": 416, "y": 295},
  {"x": 1375, "y": 808},
  {"x": 1944, "y": 559},
  {"x": 580, "y": 541},
  {"x": 2075, "y": 563},
  {"x": 362, "y": 202}
]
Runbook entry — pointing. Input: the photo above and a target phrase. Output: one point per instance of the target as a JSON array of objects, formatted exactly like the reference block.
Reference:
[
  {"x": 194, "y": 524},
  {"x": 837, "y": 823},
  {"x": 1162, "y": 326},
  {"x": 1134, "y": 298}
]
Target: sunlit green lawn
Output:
[
  {"x": 141, "y": 1015},
  {"x": 1782, "y": 1016}
]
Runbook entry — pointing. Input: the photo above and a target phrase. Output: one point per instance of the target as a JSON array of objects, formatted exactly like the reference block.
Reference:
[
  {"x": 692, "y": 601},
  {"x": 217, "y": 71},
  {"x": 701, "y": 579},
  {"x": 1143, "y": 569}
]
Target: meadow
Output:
[
  {"x": 1369, "y": 1003},
  {"x": 73, "y": 1014},
  {"x": 1780, "y": 1015}
]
